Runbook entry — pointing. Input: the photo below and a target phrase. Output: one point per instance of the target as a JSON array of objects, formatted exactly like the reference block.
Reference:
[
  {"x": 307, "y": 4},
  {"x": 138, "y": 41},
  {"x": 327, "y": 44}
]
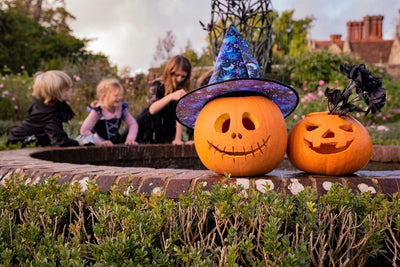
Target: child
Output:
[
  {"x": 104, "y": 120},
  {"x": 157, "y": 123},
  {"x": 49, "y": 110}
]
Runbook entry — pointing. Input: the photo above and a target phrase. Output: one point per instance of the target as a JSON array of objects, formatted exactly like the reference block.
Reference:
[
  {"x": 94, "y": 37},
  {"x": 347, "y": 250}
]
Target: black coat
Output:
[
  {"x": 159, "y": 127},
  {"x": 44, "y": 125}
]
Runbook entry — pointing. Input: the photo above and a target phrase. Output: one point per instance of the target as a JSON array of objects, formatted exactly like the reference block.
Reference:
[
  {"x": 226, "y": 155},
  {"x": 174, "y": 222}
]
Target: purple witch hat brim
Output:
[{"x": 189, "y": 106}]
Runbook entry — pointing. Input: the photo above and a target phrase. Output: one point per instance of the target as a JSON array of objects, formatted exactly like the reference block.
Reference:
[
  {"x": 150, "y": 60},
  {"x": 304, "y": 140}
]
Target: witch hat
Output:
[{"x": 236, "y": 71}]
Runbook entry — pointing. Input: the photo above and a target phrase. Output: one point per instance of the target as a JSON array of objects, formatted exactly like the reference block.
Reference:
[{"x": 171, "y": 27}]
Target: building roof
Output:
[{"x": 372, "y": 51}]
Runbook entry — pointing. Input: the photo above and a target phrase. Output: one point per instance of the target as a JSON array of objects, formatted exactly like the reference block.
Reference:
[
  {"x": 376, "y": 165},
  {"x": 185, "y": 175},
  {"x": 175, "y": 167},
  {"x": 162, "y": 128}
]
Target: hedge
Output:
[{"x": 50, "y": 224}]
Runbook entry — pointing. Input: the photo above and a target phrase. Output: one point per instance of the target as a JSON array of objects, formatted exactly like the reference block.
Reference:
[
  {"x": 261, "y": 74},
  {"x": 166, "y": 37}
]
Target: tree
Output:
[
  {"x": 24, "y": 42},
  {"x": 164, "y": 48},
  {"x": 289, "y": 35},
  {"x": 190, "y": 54},
  {"x": 50, "y": 14}
]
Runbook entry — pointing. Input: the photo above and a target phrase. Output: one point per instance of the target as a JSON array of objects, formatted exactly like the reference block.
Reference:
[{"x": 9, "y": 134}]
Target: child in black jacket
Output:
[{"x": 48, "y": 112}]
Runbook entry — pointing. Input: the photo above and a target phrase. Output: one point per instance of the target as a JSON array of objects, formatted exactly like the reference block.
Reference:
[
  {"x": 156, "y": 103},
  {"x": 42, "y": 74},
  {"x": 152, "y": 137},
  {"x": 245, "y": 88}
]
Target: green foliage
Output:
[
  {"x": 24, "y": 42},
  {"x": 16, "y": 96},
  {"x": 289, "y": 35},
  {"x": 53, "y": 224}
]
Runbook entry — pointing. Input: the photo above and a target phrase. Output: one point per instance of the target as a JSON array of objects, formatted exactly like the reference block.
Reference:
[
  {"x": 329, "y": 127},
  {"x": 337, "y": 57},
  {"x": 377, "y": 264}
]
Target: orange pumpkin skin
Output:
[
  {"x": 329, "y": 144},
  {"x": 241, "y": 136}
]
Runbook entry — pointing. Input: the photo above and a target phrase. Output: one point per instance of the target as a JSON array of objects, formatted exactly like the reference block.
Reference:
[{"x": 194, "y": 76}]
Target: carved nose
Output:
[
  {"x": 234, "y": 135},
  {"x": 329, "y": 134}
]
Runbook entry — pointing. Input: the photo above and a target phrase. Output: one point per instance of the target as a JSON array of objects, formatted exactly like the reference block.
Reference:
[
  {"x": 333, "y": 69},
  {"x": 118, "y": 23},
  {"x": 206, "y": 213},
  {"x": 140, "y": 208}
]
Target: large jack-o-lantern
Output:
[
  {"x": 242, "y": 136},
  {"x": 328, "y": 144}
]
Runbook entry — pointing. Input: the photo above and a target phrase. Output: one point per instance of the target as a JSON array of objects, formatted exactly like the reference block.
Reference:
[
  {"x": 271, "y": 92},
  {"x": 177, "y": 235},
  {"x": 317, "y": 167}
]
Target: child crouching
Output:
[
  {"x": 44, "y": 125},
  {"x": 104, "y": 120}
]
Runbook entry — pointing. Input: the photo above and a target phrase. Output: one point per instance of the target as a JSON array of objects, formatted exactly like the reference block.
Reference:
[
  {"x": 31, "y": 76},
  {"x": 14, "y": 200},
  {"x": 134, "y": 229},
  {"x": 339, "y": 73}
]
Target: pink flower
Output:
[
  {"x": 13, "y": 98},
  {"x": 22, "y": 67},
  {"x": 16, "y": 107},
  {"x": 311, "y": 96},
  {"x": 76, "y": 77},
  {"x": 305, "y": 82},
  {"x": 4, "y": 93},
  {"x": 1, "y": 85},
  {"x": 321, "y": 82}
]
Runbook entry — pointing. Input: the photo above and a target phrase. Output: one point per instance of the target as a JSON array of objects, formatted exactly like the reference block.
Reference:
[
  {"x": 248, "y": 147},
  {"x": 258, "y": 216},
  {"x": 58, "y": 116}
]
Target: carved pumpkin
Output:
[
  {"x": 329, "y": 144},
  {"x": 243, "y": 136}
]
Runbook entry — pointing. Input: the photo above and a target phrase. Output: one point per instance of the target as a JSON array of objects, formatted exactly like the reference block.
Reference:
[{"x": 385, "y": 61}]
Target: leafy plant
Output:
[{"x": 53, "y": 224}]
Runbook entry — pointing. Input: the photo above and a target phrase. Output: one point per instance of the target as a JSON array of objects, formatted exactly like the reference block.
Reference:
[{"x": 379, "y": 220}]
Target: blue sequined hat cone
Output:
[
  {"x": 235, "y": 71},
  {"x": 235, "y": 60}
]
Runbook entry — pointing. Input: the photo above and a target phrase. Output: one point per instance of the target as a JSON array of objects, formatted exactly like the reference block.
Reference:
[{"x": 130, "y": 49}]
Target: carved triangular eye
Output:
[
  {"x": 311, "y": 127},
  {"x": 347, "y": 128}
]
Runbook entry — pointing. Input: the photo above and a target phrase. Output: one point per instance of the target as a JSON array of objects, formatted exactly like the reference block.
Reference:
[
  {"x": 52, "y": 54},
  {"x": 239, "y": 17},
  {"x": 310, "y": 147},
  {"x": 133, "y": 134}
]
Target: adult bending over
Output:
[{"x": 157, "y": 122}]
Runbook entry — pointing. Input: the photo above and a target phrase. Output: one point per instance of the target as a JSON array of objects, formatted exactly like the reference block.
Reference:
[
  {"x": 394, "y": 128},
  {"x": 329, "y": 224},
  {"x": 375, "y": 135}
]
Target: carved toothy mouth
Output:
[
  {"x": 328, "y": 148},
  {"x": 233, "y": 153}
]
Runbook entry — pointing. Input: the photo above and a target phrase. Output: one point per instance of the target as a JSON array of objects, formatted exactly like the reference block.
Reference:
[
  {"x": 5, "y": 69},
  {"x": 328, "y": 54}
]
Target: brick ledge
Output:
[{"x": 175, "y": 182}]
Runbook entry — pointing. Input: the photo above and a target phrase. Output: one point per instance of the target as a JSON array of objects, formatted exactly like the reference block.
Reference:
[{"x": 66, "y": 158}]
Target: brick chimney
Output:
[
  {"x": 354, "y": 30},
  {"x": 368, "y": 29},
  {"x": 373, "y": 27},
  {"x": 335, "y": 38}
]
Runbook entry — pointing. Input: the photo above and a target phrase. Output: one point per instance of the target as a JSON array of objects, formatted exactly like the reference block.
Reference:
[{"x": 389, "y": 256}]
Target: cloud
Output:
[{"x": 127, "y": 30}]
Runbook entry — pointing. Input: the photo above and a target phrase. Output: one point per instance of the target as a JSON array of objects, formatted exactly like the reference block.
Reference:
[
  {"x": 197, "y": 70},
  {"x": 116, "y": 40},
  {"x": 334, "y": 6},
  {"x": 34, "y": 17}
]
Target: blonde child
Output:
[
  {"x": 49, "y": 110},
  {"x": 104, "y": 120}
]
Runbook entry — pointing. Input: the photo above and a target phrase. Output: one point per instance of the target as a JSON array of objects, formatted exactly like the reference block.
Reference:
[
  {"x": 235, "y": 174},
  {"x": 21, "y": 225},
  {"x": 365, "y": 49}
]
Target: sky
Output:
[{"x": 127, "y": 31}]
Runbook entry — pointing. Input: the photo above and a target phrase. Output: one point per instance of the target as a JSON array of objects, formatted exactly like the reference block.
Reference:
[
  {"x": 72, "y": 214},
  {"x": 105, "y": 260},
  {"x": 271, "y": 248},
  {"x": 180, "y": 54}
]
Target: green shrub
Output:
[
  {"x": 16, "y": 96},
  {"x": 52, "y": 224}
]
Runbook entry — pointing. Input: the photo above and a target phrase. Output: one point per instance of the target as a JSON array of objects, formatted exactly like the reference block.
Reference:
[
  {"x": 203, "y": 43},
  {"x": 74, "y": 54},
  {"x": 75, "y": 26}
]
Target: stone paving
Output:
[{"x": 174, "y": 182}]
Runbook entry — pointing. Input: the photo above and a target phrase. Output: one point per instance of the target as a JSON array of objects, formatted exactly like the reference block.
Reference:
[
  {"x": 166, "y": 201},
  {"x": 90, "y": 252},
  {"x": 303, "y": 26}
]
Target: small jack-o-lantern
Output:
[
  {"x": 243, "y": 136},
  {"x": 328, "y": 144}
]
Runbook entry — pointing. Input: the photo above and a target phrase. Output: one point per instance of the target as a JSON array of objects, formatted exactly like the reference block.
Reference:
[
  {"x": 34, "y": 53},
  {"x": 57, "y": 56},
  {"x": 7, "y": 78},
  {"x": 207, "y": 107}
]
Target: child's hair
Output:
[
  {"x": 48, "y": 86},
  {"x": 106, "y": 85},
  {"x": 175, "y": 63}
]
